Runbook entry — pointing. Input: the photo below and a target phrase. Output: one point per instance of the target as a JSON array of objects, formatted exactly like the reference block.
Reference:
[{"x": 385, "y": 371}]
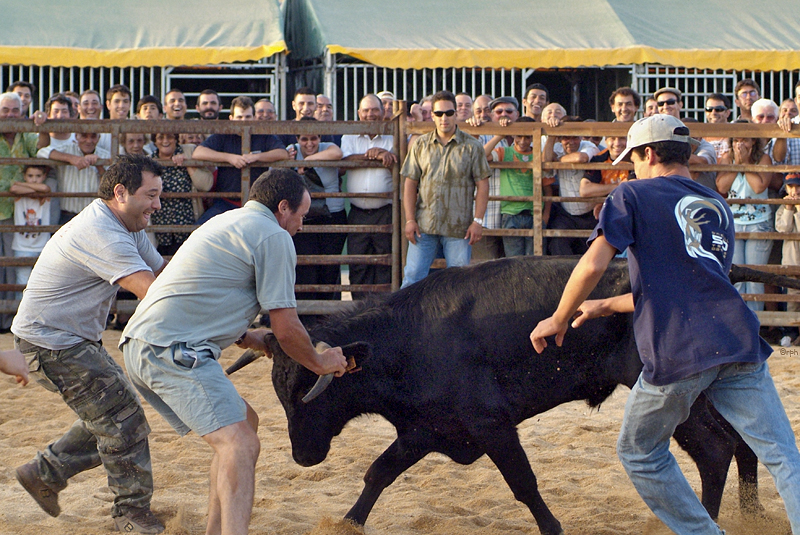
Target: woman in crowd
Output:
[
  {"x": 177, "y": 179},
  {"x": 309, "y": 148},
  {"x": 748, "y": 217}
]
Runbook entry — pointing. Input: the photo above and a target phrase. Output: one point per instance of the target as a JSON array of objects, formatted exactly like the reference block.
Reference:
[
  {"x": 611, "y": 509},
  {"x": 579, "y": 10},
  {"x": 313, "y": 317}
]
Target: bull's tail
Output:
[{"x": 744, "y": 274}]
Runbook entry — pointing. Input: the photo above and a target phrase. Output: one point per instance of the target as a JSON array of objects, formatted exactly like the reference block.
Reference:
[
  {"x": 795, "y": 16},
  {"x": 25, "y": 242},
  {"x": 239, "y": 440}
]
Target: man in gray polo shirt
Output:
[
  {"x": 59, "y": 327},
  {"x": 228, "y": 270}
]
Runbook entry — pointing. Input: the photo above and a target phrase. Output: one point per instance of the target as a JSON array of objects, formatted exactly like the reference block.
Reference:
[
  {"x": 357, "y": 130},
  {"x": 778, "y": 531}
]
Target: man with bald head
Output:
[
  {"x": 463, "y": 106},
  {"x": 265, "y": 110},
  {"x": 365, "y": 210}
]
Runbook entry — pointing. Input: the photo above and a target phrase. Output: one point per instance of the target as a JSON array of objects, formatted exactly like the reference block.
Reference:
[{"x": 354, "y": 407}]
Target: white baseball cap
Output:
[{"x": 653, "y": 129}]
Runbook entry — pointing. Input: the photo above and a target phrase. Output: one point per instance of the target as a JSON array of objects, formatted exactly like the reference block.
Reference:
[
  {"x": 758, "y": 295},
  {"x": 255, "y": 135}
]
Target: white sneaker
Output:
[{"x": 786, "y": 341}]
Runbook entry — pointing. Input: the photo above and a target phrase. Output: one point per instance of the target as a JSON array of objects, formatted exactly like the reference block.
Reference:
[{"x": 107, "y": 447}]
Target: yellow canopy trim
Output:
[
  {"x": 702, "y": 59},
  {"x": 135, "y": 57}
]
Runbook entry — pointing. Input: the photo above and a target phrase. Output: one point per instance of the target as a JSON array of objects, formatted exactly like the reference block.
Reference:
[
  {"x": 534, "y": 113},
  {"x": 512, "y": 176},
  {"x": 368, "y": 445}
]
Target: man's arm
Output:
[
  {"x": 584, "y": 278},
  {"x": 475, "y": 230},
  {"x": 267, "y": 157},
  {"x": 138, "y": 283},
  {"x": 294, "y": 340},
  {"x": 210, "y": 155},
  {"x": 592, "y": 189},
  {"x": 410, "y": 207},
  {"x": 596, "y": 308}
]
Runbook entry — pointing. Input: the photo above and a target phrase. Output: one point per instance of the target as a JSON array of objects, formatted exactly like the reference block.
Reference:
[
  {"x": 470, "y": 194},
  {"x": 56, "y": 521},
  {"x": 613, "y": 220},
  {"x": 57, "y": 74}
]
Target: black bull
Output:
[{"x": 454, "y": 371}]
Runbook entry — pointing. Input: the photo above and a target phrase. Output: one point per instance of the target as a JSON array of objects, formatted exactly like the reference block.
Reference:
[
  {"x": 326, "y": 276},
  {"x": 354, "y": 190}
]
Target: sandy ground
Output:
[{"x": 571, "y": 449}]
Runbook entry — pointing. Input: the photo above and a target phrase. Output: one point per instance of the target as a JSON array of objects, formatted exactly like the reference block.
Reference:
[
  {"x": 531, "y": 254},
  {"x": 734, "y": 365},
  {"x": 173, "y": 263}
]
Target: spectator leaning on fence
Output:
[
  {"x": 328, "y": 211},
  {"x": 518, "y": 183},
  {"x": 787, "y": 219},
  {"x": 12, "y": 145},
  {"x": 718, "y": 111},
  {"x": 504, "y": 112},
  {"x": 31, "y": 212},
  {"x": 365, "y": 210},
  {"x": 569, "y": 215},
  {"x": 57, "y": 107},
  {"x": 118, "y": 102},
  {"x": 82, "y": 175},
  {"x": 748, "y": 217},
  {"x": 227, "y": 148}
]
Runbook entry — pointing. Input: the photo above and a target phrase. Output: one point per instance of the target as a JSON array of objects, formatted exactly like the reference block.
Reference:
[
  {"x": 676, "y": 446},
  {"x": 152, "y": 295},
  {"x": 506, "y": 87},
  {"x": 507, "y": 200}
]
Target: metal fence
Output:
[
  {"x": 697, "y": 84},
  {"x": 265, "y": 78}
]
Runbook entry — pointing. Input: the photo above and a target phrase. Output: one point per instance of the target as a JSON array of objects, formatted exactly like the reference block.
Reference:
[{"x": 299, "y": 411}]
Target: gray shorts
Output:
[{"x": 187, "y": 387}]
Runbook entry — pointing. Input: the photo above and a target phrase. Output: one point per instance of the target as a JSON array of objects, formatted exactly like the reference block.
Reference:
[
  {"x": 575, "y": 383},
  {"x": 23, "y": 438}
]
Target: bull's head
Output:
[{"x": 312, "y": 425}]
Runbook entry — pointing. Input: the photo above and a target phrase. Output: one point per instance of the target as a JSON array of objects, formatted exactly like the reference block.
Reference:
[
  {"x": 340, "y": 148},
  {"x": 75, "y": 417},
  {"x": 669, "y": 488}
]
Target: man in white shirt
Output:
[{"x": 367, "y": 211}]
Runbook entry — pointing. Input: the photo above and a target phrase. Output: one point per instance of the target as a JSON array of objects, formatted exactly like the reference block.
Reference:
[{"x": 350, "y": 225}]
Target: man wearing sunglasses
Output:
[
  {"x": 442, "y": 172},
  {"x": 668, "y": 100},
  {"x": 718, "y": 111}
]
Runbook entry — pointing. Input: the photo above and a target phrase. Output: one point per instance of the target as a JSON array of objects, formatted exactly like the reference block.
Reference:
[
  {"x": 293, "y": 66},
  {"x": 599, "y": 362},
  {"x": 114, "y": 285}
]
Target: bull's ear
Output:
[{"x": 360, "y": 351}]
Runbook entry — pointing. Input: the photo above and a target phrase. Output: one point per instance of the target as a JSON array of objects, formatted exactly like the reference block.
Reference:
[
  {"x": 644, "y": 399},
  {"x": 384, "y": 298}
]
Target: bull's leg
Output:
[
  {"x": 747, "y": 465},
  {"x": 402, "y": 454},
  {"x": 711, "y": 447},
  {"x": 503, "y": 447}
]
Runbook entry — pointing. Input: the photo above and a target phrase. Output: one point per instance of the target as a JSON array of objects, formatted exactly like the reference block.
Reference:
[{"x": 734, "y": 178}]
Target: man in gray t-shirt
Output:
[
  {"x": 59, "y": 327},
  {"x": 227, "y": 271}
]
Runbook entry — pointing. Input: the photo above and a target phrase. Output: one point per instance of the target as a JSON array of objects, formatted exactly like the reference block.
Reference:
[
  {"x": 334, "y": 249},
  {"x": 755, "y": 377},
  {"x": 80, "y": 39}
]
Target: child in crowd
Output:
[
  {"x": 518, "y": 183},
  {"x": 787, "y": 219},
  {"x": 30, "y": 211}
]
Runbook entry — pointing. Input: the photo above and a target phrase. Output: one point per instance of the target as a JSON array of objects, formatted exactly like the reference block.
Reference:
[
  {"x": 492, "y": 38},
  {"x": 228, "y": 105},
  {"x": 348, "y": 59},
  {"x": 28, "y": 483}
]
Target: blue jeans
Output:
[
  {"x": 457, "y": 252},
  {"x": 745, "y": 395},
  {"x": 518, "y": 245},
  {"x": 752, "y": 252}
]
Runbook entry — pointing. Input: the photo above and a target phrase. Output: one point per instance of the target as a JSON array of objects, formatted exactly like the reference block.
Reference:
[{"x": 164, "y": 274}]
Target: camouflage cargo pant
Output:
[{"x": 111, "y": 429}]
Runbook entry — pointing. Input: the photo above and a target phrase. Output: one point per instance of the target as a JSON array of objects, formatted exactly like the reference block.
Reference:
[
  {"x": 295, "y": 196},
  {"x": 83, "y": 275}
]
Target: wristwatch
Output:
[{"x": 478, "y": 220}]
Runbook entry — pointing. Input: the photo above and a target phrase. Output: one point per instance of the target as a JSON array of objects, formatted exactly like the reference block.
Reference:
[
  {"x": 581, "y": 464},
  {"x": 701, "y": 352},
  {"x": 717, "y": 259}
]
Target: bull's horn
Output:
[
  {"x": 246, "y": 358},
  {"x": 322, "y": 381}
]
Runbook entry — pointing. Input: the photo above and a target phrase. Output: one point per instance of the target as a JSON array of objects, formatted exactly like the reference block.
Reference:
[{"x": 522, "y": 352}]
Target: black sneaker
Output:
[
  {"x": 139, "y": 521},
  {"x": 28, "y": 476}
]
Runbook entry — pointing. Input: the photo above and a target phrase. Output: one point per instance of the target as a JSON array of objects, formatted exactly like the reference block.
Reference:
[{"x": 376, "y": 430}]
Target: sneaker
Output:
[
  {"x": 139, "y": 521},
  {"x": 786, "y": 341},
  {"x": 28, "y": 476}
]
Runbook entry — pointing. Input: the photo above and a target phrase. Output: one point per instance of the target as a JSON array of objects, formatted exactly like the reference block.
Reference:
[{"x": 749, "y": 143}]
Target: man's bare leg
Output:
[{"x": 232, "y": 477}]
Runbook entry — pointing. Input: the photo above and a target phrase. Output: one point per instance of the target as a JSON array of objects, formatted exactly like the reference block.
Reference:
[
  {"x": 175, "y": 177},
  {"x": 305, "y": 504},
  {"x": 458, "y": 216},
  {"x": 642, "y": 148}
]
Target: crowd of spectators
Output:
[{"x": 82, "y": 152}]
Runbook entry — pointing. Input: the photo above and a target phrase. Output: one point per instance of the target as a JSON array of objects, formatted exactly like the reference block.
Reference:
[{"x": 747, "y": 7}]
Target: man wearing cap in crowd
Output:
[
  {"x": 504, "y": 111},
  {"x": 668, "y": 100},
  {"x": 387, "y": 101},
  {"x": 693, "y": 331}
]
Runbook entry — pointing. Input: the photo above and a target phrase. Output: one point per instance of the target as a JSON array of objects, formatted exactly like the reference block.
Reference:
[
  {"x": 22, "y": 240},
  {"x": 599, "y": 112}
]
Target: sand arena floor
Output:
[{"x": 571, "y": 449}]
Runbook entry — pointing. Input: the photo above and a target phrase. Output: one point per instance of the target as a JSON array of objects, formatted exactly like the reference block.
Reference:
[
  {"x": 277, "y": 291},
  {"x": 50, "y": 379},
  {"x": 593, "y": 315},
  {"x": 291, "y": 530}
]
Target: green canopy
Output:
[
  {"x": 415, "y": 34},
  {"x": 97, "y": 33}
]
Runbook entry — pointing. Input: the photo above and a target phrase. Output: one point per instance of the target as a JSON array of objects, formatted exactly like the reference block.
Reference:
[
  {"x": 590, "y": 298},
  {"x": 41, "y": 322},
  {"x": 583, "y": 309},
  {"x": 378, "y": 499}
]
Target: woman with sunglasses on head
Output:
[
  {"x": 748, "y": 217},
  {"x": 328, "y": 211}
]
